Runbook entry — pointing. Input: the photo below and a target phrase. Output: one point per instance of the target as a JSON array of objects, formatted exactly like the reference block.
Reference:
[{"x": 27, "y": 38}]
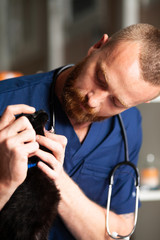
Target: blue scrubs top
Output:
[{"x": 90, "y": 163}]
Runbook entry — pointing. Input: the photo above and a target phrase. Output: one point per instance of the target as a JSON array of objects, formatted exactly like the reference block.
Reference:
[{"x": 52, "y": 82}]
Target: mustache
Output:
[{"x": 81, "y": 99}]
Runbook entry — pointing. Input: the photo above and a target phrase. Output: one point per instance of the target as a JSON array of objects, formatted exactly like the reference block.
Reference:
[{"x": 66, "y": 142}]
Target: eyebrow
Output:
[{"x": 107, "y": 79}]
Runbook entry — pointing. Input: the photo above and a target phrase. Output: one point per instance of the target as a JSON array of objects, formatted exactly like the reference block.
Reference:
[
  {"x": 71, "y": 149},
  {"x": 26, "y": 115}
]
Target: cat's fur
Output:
[{"x": 31, "y": 210}]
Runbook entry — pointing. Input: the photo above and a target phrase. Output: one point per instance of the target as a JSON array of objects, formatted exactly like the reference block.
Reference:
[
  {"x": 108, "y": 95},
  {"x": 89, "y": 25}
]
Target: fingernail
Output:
[{"x": 37, "y": 137}]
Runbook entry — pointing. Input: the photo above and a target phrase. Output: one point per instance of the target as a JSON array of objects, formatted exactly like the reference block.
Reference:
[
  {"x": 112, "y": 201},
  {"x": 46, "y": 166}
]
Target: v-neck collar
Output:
[{"x": 75, "y": 151}]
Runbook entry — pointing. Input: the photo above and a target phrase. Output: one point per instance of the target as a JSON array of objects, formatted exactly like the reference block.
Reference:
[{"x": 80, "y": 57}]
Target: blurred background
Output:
[{"x": 40, "y": 35}]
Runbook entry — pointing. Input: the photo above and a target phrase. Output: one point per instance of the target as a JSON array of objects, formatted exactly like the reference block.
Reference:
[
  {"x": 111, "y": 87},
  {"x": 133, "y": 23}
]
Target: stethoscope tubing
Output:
[{"x": 111, "y": 182}]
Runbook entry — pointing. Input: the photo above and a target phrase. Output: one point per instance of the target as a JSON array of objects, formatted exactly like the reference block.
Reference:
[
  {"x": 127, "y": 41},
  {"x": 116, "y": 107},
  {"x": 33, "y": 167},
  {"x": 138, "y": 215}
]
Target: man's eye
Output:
[
  {"x": 101, "y": 80},
  {"x": 116, "y": 102}
]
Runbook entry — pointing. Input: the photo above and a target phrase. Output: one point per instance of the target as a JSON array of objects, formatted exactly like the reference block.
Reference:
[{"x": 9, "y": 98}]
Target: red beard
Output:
[{"x": 75, "y": 103}]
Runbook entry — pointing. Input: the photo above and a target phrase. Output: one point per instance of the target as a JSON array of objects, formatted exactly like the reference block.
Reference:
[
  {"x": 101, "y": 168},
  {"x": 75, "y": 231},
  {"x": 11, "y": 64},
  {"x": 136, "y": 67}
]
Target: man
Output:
[{"x": 117, "y": 74}]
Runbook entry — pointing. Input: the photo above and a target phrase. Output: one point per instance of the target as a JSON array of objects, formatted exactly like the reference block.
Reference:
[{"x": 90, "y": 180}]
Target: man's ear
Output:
[{"x": 99, "y": 44}]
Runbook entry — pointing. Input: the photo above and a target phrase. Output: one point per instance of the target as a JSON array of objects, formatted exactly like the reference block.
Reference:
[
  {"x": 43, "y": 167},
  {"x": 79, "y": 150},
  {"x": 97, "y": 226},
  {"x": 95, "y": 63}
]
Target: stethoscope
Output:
[{"x": 113, "y": 235}]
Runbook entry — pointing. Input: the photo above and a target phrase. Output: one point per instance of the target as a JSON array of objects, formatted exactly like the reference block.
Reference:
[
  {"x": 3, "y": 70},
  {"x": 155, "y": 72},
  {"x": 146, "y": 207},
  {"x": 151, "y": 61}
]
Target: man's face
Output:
[
  {"x": 75, "y": 102},
  {"x": 100, "y": 86}
]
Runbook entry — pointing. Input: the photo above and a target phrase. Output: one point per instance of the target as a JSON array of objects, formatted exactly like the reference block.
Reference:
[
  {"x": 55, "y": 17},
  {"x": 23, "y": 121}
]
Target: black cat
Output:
[{"x": 31, "y": 210}]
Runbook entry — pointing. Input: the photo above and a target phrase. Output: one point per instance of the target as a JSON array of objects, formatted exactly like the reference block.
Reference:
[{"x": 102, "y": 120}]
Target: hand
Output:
[
  {"x": 56, "y": 144},
  {"x": 17, "y": 143}
]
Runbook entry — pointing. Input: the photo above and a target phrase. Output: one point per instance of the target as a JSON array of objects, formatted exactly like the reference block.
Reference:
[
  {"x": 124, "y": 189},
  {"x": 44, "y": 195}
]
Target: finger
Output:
[
  {"x": 19, "y": 155},
  {"x": 58, "y": 138},
  {"x": 47, "y": 158},
  {"x": 9, "y": 114},
  {"x": 16, "y": 127},
  {"x": 56, "y": 147},
  {"x": 30, "y": 148},
  {"x": 20, "y": 139},
  {"x": 13, "y": 145},
  {"x": 21, "y": 124},
  {"x": 47, "y": 170},
  {"x": 28, "y": 135}
]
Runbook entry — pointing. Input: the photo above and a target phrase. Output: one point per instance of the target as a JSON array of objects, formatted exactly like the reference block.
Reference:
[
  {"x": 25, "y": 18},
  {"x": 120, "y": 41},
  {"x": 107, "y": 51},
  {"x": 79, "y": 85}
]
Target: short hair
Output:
[{"x": 149, "y": 56}]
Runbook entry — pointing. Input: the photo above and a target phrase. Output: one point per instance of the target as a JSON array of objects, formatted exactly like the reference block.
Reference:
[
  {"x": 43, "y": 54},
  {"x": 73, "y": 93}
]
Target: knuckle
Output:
[
  {"x": 2, "y": 136},
  {"x": 8, "y": 143},
  {"x": 16, "y": 150},
  {"x": 8, "y": 109},
  {"x": 24, "y": 120},
  {"x": 60, "y": 148},
  {"x": 36, "y": 146},
  {"x": 64, "y": 141},
  {"x": 17, "y": 153},
  {"x": 32, "y": 133}
]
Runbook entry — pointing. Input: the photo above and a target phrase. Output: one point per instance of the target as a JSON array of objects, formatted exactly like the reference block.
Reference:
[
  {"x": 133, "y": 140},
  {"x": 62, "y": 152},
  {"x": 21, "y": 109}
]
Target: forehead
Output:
[
  {"x": 123, "y": 73},
  {"x": 123, "y": 61},
  {"x": 125, "y": 52}
]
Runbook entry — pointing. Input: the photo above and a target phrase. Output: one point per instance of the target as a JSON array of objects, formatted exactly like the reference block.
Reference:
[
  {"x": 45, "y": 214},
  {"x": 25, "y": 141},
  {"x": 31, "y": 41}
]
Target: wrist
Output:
[
  {"x": 61, "y": 180},
  {"x": 6, "y": 191}
]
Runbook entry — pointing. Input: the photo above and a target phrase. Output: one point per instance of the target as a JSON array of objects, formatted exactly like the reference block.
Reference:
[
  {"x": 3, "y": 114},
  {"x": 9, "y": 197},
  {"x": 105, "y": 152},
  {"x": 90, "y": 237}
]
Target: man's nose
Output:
[{"x": 95, "y": 99}]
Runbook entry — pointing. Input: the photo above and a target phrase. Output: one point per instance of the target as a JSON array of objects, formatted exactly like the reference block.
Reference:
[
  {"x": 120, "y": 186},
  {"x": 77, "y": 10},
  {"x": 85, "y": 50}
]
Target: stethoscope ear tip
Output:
[{"x": 116, "y": 236}]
